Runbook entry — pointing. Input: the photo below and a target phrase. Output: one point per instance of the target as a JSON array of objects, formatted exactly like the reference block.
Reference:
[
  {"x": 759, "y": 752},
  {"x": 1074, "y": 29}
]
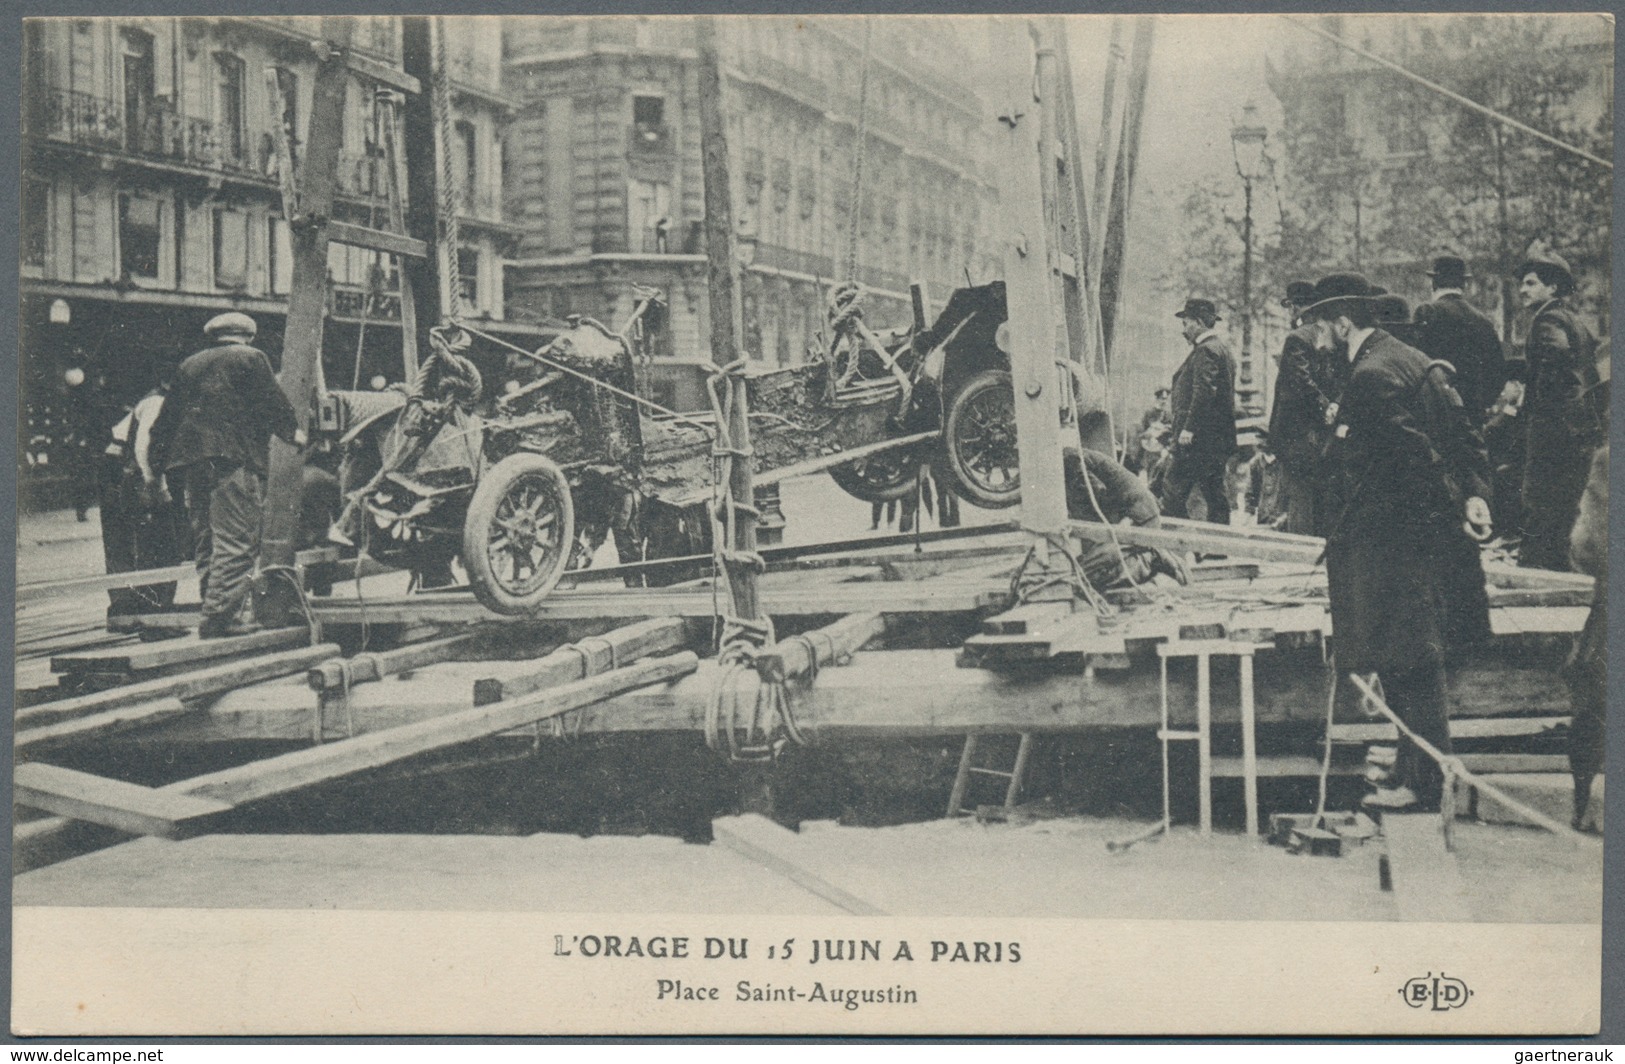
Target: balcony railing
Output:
[
  {"x": 156, "y": 132},
  {"x": 795, "y": 261}
]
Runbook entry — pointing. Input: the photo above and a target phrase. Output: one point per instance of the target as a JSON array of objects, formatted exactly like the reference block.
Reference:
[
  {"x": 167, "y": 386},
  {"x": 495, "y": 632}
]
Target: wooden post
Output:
[
  {"x": 1249, "y": 743},
  {"x": 278, "y": 603},
  {"x": 1204, "y": 742},
  {"x": 1115, "y": 237},
  {"x": 425, "y": 278},
  {"x": 727, "y": 326},
  {"x": 1028, "y": 294}
]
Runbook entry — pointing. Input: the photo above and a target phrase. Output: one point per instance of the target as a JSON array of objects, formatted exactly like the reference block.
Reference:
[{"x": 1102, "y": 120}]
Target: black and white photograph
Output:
[{"x": 812, "y": 524}]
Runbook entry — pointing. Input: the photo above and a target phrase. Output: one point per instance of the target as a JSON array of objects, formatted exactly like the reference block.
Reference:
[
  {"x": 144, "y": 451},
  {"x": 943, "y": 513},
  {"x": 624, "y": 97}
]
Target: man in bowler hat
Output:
[
  {"x": 1402, "y": 566},
  {"x": 1451, "y": 329},
  {"x": 1203, "y": 407}
]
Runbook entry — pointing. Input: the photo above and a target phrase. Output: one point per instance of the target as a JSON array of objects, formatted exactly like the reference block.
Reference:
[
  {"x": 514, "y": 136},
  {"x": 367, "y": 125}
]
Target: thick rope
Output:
[
  {"x": 451, "y": 180},
  {"x": 858, "y": 157}
]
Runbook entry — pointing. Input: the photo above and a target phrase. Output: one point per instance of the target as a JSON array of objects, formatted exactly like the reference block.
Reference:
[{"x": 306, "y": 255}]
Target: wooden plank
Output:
[
  {"x": 1427, "y": 882},
  {"x": 801, "y": 655},
  {"x": 112, "y": 803},
  {"x": 360, "y": 236},
  {"x": 149, "y": 656},
  {"x": 1490, "y": 764},
  {"x": 382, "y": 72},
  {"x": 1211, "y": 539},
  {"x": 1281, "y": 766},
  {"x": 51, "y": 589},
  {"x": 1460, "y": 728},
  {"x": 370, "y": 667},
  {"x": 319, "y": 764},
  {"x": 1026, "y": 619},
  {"x": 587, "y": 657},
  {"x": 936, "y": 596},
  {"x": 189, "y": 685},
  {"x": 763, "y": 842},
  {"x": 98, "y": 725}
]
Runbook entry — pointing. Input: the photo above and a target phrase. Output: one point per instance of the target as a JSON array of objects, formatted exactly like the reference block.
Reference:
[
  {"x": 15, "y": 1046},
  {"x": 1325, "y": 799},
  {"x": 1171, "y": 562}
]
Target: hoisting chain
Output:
[
  {"x": 858, "y": 156},
  {"x": 451, "y": 180}
]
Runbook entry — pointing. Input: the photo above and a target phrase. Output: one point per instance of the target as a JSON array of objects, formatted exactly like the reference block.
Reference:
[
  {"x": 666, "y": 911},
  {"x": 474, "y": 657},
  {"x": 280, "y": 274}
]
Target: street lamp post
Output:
[{"x": 1247, "y": 140}]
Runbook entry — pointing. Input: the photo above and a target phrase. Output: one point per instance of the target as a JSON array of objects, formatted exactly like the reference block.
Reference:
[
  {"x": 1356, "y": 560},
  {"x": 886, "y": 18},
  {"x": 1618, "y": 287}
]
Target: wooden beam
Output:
[
  {"x": 54, "y": 589},
  {"x": 98, "y": 725},
  {"x": 170, "y": 653},
  {"x": 319, "y": 764},
  {"x": 941, "y": 595},
  {"x": 1460, "y": 728},
  {"x": 197, "y": 684},
  {"x": 374, "y": 666},
  {"x": 587, "y": 657},
  {"x": 801, "y": 655},
  {"x": 112, "y": 803},
  {"x": 759, "y": 840},
  {"x": 1426, "y": 880},
  {"x": 1213, "y": 539},
  {"x": 360, "y": 236},
  {"x": 382, "y": 72}
]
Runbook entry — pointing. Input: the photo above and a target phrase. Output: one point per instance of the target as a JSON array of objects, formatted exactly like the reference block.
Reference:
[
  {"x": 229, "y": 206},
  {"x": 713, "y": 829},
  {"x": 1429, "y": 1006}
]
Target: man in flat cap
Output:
[
  {"x": 1452, "y": 330},
  {"x": 1558, "y": 371},
  {"x": 1306, "y": 385},
  {"x": 214, "y": 436},
  {"x": 1203, "y": 409},
  {"x": 1402, "y": 566}
]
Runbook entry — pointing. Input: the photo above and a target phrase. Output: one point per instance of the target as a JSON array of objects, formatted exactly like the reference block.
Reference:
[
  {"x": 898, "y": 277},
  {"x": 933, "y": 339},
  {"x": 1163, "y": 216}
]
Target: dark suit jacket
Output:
[
  {"x": 1303, "y": 391},
  {"x": 225, "y": 404},
  {"x": 1405, "y": 579},
  {"x": 1454, "y": 331},
  {"x": 1204, "y": 402}
]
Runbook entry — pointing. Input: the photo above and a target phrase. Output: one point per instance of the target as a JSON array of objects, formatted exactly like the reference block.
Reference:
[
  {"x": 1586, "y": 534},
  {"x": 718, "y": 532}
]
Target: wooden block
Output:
[
  {"x": 177, "y": 652},
  {"x": 1026, "y": 619},
  {"x": 1427, "y": 882},
  {"x": 585, "y": 658},
  {"x": 113, "y": 803},
  {"x": 760, "y": 840}
]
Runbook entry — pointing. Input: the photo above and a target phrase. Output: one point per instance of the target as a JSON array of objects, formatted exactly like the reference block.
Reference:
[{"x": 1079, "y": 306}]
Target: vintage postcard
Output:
[{"x": 818, "y": 525}]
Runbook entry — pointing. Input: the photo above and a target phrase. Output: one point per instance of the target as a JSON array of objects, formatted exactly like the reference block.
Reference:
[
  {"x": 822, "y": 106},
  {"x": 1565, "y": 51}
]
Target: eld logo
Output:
[{"x": 1437, "y": 993}]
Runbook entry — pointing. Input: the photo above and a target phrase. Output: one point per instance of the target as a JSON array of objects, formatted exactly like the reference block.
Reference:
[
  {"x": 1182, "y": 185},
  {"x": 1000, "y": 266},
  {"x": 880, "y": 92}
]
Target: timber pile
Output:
[{"x": 1042, "y": 667}]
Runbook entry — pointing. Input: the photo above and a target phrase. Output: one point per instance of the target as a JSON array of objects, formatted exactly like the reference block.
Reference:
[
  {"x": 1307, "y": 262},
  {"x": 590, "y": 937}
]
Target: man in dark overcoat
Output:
[
  {"x": 1405, "y": 581},
  {"x": 1203, "y": 406},
  {"x": 1559, "y": 372},
  {"x": 213, "y": 435},
  {"x": 1306, "y": 384},
  {"x": 1451, "y": 329}
]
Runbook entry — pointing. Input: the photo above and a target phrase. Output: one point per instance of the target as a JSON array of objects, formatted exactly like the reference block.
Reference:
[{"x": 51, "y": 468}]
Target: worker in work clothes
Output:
[
  {"x": 1453, "y": 330},
  {"x": 1306, "y": 385},
  {"x": 1403, "y": 588},
  {"x": 1101, "y": 489},
  {"x": 142, "y": 527},
  {"x": 1558, "y": 372},
  {"x": 1203, "y": 405},
  {"x": 214, "y": 436}
]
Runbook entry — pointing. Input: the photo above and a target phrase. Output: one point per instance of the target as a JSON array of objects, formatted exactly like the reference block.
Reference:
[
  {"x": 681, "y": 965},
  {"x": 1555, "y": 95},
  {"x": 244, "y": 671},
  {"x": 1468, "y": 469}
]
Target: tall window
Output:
[
  {"x": 649, "y": 119},
  {"x": 230, "y": 106},
  {"x": 140, "y": 235},
  {"x": 468, "y": 161},
  {"x": 139, "y": 87},
  {"x": 230, "y": 248},
  {"x": 649, "y": 224},
  {"x": 281, "y": 254},
  {"x": 36, "y": 221},
  {"x": 468, "y": 270}
]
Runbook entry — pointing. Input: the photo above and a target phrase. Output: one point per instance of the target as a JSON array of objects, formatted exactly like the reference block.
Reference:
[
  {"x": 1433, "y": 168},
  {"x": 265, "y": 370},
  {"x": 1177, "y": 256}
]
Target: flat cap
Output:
[{"x": 231, "y": 323}]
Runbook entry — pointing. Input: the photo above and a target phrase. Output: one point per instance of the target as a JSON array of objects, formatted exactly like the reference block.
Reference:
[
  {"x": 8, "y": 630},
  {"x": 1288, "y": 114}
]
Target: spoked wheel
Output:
[
  {"x": 519, "y": 533},
  {"x": 980, "y": 439},
  {"x": 879, "y": 477}
]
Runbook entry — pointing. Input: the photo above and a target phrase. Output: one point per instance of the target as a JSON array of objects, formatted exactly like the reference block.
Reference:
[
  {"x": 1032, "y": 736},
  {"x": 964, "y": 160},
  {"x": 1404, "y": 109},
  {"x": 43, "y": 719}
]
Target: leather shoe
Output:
[
  {"x": 1393, "y": 799},
  {"x": 219, "y": 628}
]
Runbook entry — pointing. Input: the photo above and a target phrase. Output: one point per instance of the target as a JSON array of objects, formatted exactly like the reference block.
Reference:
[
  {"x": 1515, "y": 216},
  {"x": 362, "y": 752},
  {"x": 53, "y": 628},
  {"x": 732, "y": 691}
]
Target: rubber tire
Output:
[
  {"x": 854, "y": 484},
  {"x": 960, "y": 478},
  {"x": 482, "y": 510}
]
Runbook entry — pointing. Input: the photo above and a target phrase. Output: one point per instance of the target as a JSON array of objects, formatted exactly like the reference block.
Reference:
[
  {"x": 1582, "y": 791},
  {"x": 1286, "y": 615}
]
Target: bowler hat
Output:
[
  {"x": 1391, "y": 309},
  {"x": 1550, "y": 267},
  {"x": 231, "y": 323},
  {"x": 1202, "y": 310},
  {"x": 1336, "y": 291},
  {"x": 1449, "y": 268},
  {"x": 1298, "y": 293}
]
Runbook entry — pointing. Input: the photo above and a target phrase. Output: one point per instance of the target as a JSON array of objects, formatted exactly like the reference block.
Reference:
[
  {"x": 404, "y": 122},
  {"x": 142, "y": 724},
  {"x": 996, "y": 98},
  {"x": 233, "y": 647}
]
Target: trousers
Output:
[
  {"x": 225, "y": 503},
  {"x": 1206, "y": 476},
  {"x": 1418, "y": 695}
]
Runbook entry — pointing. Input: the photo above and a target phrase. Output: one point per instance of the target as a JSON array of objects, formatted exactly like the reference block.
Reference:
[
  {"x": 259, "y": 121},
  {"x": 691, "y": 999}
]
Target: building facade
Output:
[
  {"x": 605, "y": 173},
  {"x": 1387, "y": 173},
  {"x": 152, "y": 201}
]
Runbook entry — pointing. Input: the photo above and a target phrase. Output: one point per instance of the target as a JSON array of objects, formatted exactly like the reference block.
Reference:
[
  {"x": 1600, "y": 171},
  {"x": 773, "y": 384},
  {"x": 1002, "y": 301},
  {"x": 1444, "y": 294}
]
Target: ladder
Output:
[{"x": 967, "y": 767}]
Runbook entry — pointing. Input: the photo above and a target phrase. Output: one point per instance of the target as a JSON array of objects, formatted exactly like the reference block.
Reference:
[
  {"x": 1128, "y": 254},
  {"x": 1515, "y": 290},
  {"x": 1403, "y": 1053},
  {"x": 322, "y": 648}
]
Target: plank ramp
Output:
[
  {"x": 149, "y": 657},
  {"x": 113, "y": 803}
]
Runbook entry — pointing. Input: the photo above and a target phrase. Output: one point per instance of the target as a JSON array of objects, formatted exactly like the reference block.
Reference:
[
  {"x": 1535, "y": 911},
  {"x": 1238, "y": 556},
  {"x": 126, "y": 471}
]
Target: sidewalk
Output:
[{"x": 57, "y": 526}]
